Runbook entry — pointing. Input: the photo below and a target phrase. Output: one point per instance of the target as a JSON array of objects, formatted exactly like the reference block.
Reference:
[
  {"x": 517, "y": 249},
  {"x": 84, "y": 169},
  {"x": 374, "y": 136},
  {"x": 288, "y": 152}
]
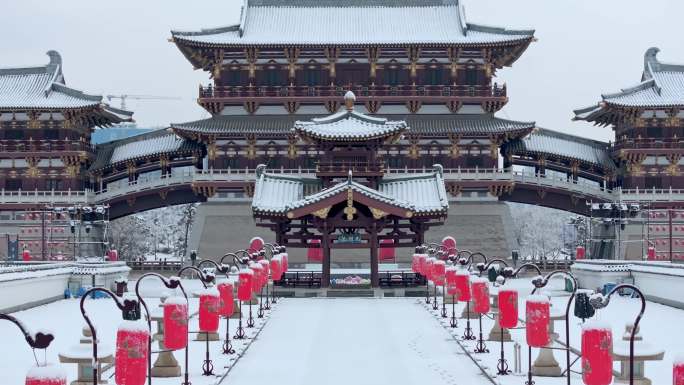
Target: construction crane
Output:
[{"x": 123, "y": 98}]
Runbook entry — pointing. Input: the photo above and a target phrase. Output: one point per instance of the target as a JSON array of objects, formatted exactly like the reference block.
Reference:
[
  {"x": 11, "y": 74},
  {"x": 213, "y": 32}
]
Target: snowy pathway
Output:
[{"x": 354, "y": 341}]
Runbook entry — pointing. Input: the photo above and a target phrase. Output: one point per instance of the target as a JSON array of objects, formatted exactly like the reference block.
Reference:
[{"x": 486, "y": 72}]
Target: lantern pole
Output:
[
  {"x": 502, "y": 364},
  {"x": 539, "y": 283},
  {"x": 483, "y": 268},
  {"x": 223, "y": 269},
  {"x": 170, "y": 284},
  {"x": 128, "y": 306},
  {"x": 260, "y": 313},
  {"x": 599, "y": 301},
  {"x": 468, "y": 332},
  {"x": 237, "y": 261},
  {"x": 452, "y": 322},
  {"x": 250, "y": 319},
  {"x": 204, "y": 279},
  {"x": 269, "y": 257},
  {"x": 426, "y": 250}
]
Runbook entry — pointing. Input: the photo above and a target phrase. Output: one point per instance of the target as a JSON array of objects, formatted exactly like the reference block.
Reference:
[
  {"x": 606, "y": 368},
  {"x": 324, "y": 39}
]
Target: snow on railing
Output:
[
  {"x": 652, "y": 194},
  {"x": 36, "y": 196}
]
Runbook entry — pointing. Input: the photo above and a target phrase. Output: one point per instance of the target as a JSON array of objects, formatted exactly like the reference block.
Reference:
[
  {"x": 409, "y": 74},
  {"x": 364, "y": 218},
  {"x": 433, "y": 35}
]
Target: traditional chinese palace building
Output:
[
  {"x": 417, "y": 61},
  {"x": 420, "y": 153}
]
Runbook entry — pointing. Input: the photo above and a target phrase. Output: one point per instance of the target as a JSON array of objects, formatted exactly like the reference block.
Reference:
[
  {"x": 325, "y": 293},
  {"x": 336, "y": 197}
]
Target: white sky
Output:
[{"x": 585, "y": 47}]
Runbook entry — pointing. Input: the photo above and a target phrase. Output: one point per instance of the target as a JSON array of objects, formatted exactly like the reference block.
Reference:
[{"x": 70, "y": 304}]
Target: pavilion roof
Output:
[
  {"x": 352, "y": 22},
  {"x": 349, "y": 125},
  {"x": 153, "y": 143},
  {"x": 419, "y": 194},
  {"x": 44, "y": 88},
  {"x": 423, "y": 124},
  {"x": 551, "y": 143},
  {"x": 661, "y": 86}
]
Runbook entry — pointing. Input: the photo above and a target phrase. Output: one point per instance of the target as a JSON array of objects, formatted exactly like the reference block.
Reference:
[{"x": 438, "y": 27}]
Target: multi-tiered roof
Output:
[
  {"x": 44, "y": 88},
  {"x": 661, "y": 87},
  {"x": 352, "y": 22}
]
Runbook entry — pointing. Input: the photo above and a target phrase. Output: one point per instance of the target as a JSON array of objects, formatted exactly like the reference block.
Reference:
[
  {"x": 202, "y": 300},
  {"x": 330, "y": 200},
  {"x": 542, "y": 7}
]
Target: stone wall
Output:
[{"x": 227, "y": 226}]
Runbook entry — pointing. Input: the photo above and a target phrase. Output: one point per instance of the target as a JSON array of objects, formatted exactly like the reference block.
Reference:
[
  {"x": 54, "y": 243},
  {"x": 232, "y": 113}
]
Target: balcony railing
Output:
[
  {"x": 11, "y": 145},
  {"x": 649, "y": 143},
  {"x": 358, "y": 168},
  {"x": 43, "y": 197},
  {"x": 438, "y": 91}
]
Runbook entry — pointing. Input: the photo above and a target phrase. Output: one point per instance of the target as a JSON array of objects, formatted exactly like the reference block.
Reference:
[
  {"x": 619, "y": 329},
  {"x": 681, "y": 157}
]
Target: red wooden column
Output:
[
  {"x": 374, "y": 268},
  {"x": 325, "y": 267}
]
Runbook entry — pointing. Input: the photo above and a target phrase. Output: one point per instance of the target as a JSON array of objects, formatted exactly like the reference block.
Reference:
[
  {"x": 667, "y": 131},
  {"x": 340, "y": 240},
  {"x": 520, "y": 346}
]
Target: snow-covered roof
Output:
[
  {"x": 661, "y": 86},
  {"x": 426, "y": 124},
  {"x": 153, "y": 143},
  {"x": 44, "y": 87},
  {"x": 421, "y": 194},
  {"x": 558, "y": 144},
  {"x": 349, "y": 125},
  {"x": 352, "y": 22}
]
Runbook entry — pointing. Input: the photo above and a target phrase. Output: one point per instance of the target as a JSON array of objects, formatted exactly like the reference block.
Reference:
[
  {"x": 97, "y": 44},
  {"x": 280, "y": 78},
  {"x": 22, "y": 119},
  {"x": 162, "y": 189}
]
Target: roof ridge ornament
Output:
[
  {"x": 650, "y": 62},
  {"x": 349, "y": 100}
]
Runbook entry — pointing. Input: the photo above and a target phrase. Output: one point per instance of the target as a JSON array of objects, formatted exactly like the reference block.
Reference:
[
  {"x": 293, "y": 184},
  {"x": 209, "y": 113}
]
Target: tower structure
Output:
[{"x": 417, "y": 61}]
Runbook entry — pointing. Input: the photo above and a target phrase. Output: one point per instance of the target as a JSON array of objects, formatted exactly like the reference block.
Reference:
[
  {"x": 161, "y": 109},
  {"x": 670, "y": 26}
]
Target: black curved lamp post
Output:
[
  {"x": 262, "y": 307},
  {"x": 170, "y": 284},
  {"x": 208, "y": 365},
  {"x": 539, "y": 283},
  {"x": 468, "y": 332},
  {"x": 502, "y": 364},
  {"x": 237, "y": 261},
  {"x": 600, "y": 302},
  {"x": 38, "y": 340},
  {"x": 130, "y": 309},
  {"x": 269, "y": 256},
  {"x": 223, "y": 269},
  {"x": 248, "y": 257}
]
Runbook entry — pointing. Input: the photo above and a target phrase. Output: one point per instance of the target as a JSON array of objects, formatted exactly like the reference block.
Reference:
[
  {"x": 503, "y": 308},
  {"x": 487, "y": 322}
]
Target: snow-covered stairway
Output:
[{"x": 354, "y": 341}]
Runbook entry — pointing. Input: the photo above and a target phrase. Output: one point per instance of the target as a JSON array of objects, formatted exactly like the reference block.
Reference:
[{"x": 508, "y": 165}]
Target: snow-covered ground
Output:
[
  {"x": 354, "y": 341},
  {"x": 64, "y": 319},
  {"x": 342, "y": 341}
]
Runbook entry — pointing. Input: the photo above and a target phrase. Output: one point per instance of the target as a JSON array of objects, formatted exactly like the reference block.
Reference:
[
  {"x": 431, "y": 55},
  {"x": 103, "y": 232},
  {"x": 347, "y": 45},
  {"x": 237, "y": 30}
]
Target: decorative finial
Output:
[
  {"x": 55, "y": 57},
  {"x": 349, "y": 100},
  {"x": 650, "y": 61}
]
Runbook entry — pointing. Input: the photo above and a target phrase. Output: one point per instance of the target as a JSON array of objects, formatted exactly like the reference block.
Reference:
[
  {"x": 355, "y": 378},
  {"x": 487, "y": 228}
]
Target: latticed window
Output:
[
  {"x": 434, "y": 76},
  {"x": 312, "y": 77},
  {"x": 471, "y": 76}
]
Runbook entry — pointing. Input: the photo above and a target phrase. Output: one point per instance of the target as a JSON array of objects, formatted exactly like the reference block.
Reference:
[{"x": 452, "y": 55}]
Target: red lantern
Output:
[
  {"x": 678, "y": 372},
  {"x": 480, "y": 289},
  {"x": 285, "y": 262},
  {"x": 450, "y": 244},
  {"x": 265, "y": 269},
  {"x": 508, "y": 308},
  {"x": 429, "y": 267},
  {"x": 26, "y": 255},
  {"x": 450, "y": 276},
  {"x": 256, "y": 244},
  {"x": 131, "y": 353},
  {"x": 439, "y": 269},
  {"x": 175, "y": 323},
  {"x": 414, "y": 263},
  {"x": 256, "y": 282},
  {"x": 422, "y": 264},
  {"x": 245, "y": 285},
  {"x": 227, "y": 299},
  {"x": 651, "y": 254},
  {"x": 580, "y": 252},
  {"x": 46, "y": 375},
  {"x": 463, "y": 285},
  {"x": 209, "y": 310},
  {"x": 538, "y": 318},
  {"x": 597, "y": 360},
  {"x": 276, "y": 267}
]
